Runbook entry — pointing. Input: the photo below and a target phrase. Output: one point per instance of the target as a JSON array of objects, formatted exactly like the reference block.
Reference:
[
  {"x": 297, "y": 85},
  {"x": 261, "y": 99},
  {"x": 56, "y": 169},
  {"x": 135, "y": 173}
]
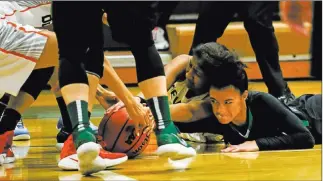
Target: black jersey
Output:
[
  {"x": 309, "y": 107},
  {"x": 271, "y": 124}
]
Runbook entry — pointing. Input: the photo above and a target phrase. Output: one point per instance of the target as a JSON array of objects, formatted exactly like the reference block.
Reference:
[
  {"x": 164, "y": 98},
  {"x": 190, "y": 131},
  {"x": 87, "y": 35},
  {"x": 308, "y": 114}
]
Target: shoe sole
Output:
[
  {"x": 59, "y": 146},
  {"x": 89, "y": 159},
  {"x": 2, "y": 158},
  {"x": 114, "y": 162},
  {"x": 9, "y": 160},
  {"x": 175, "y": 151},
  {"x": 21, "y": 137},
  {"x": 70, "y": 163}
]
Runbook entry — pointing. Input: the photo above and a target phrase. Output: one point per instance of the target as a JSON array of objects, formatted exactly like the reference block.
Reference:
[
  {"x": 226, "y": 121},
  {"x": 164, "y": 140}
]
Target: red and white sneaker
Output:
[
  {"x": 10, "y": 157},
  {"x": 6, "y": 156},
  {"x": 70, "y": 161},
  {"x": 3, "y": 141},
  {"x": 89, "y": 159}
]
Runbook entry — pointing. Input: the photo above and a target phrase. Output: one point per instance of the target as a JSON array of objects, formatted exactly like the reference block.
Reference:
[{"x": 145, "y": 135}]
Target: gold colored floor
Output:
[{"x": 37, "y": 158}]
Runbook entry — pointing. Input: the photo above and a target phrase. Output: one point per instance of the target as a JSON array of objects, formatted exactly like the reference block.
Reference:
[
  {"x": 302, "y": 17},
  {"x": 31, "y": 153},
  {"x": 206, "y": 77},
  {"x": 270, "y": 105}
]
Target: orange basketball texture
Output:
[{"x": 117, "y": 132}]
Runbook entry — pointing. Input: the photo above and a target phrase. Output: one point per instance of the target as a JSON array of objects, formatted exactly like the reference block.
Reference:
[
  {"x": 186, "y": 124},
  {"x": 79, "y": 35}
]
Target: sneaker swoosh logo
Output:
[
  {"x": 180, "y": 140},
  {"x": 74, "y": 159}
]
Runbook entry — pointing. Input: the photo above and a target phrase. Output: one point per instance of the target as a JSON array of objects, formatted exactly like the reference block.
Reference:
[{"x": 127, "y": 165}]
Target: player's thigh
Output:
[
  {"x": 49, "y": 56},
  {"x": 76, "y": 25},
  {"x": 20, "y": 50},
  {"x": 132, "y": 22}
]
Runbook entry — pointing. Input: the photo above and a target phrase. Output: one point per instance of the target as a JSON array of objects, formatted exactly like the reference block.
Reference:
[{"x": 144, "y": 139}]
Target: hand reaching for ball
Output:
[{"x": 140, "y": 113}]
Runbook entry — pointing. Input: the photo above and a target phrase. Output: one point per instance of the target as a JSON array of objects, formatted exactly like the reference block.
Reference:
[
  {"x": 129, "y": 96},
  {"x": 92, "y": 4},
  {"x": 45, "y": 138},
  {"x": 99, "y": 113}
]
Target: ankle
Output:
[{"x": 84, "y": 136}]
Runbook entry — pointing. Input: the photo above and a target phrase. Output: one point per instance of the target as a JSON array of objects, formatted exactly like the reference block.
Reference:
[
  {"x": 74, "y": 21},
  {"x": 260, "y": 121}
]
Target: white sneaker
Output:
[
  {"x": 21, "y": 132},
  {"x": 159, "y": 39},
  {"x": 88, "y": 158},
  {"x": 69, "y": 160},
  {"x": 2, "y": 158}
]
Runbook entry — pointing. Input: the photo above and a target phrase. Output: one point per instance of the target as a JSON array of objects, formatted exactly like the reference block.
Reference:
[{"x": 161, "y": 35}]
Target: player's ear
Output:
[{"x": 245, "y": 94}]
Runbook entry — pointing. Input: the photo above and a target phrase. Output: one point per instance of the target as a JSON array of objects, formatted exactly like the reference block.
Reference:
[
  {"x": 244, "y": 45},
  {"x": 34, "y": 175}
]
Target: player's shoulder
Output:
[{"x": 258, "y": 98}]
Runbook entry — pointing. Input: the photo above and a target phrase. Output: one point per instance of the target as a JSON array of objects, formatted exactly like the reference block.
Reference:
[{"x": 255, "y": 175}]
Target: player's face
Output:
[
  {"x": 227, "y": 103},
  {"x": 195, "y": 78}
]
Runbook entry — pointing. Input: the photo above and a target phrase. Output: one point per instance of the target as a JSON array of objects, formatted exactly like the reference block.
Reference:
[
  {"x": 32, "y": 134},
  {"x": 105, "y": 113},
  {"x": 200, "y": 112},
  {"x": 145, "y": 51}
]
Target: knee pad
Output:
[
  {"x": 71, "y": 73},
  {"x": 37, "y": 81},
  {"x": 94, "y": 62},
  {"x": 148, "y": 62}
]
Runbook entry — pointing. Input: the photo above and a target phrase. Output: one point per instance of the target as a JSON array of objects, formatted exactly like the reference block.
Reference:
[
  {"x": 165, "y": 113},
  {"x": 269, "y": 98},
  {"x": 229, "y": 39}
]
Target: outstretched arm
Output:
[
  {"x": 192, "y": 111},
  {"x": 295, "y": 134}
]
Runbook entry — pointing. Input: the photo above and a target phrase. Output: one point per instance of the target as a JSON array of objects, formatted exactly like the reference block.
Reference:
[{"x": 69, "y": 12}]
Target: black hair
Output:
[
  {"x": 232, "y": 73},
  {"x": 221, "y": 66},
  {"x": 212, "y": 55}
]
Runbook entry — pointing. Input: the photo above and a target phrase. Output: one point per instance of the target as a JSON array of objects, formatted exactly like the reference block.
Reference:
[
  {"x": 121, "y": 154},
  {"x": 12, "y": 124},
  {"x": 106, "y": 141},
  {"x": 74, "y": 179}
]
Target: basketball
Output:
[{"x": 117, "y": 132}]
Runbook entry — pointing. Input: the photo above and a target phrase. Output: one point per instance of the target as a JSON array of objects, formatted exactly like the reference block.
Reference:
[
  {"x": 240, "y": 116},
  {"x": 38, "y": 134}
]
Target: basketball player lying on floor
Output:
[
  {"x": 186, "y": 76},
  {"x": 188, "y": 91},
  {"x": 187, "y": 88},
  {"x": 307, "y": 107},
  {"x": 32, "y": 58},
  {"x": 253, "y": 121}
]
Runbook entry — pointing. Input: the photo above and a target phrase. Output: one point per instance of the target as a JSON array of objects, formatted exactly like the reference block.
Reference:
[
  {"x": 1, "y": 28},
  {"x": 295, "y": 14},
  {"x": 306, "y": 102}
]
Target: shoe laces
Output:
[
  {"x": 286, "y": 98},
  {"x": 158, "y": 34},
  {"x": 20, "y": 124}
]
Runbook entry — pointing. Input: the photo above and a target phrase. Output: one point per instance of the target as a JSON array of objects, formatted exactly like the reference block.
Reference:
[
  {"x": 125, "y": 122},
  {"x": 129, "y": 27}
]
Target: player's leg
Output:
[
  {"x": 64, "y": 123},
  {"x": 65, "y": 141},
  {"x": 258, "y": 23},
  {"x": 150, "y": 73},
  {"x": 3, "y": 104},
  {"x": 72, "y": 76},
  {"x": 4, "y": 101},
  {"x": 313, "y": 108},
  {"x": 94, "y": 72},
  {"x": 109, "y": 78},
  {"x": 18, "y": 104},
  {"x": 153, "y": 85},
  {"x": 316, "y": 43},
  {"x": 48, "y": 58},
  {"x": 213, "y": 19},
  {"x": 308, "y": 108},
  {"x": 22, "y": 56}
]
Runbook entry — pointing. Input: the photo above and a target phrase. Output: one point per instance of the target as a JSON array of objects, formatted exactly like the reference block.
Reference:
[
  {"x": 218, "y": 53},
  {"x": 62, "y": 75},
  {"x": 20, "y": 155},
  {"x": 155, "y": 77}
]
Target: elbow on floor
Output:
[{"x": 309, "y": 141}]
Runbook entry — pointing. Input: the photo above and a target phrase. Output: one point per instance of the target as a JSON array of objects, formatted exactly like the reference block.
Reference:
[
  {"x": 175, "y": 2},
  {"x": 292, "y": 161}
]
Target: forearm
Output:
[
  {"x": 300, "y": 140},
  {"x": 112, "y": 80},
  {"x": 180, "y": 113}
]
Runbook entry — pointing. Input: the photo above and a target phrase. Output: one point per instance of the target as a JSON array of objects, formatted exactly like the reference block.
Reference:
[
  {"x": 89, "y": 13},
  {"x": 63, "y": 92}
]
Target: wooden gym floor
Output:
[{"x": 37, "y": 158}]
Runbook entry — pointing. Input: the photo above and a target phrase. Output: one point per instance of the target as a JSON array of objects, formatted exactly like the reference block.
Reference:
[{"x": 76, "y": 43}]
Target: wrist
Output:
[
  {"x": 255, "y": 145},
  {"x": 141, "y": 100}
]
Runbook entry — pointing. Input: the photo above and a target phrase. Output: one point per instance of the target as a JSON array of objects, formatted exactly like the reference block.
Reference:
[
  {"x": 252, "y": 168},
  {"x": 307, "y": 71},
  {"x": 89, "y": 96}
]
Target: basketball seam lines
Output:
[
  {"x": 134, "y": 144},
  {"x": 115, "y": 142},
  {"x": 105, "y": 125}
]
